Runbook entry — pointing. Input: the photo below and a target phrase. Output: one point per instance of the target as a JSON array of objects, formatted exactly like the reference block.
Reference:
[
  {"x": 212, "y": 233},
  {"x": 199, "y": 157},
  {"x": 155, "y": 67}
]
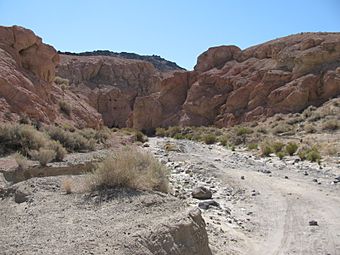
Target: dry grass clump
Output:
[
  {"x": 266, "y": 149},
  {"x": 310, "y": 129},
  {"x": 291, "y": 148},
  {"x": 331, "y": 125},
  {"x": 310, "y": 153},
  {"x": 67, "y": 185},
  {"x": 223, "y": 140},
  {"x": 20, "y": 137},
  {"x": 44, "y": 156},
  {"x": 72, "y": 141},
  {"x": 161, "y": 132},
  {"x": 65, "y": 107},
  {"x": 61, "y": 81},
  {"x": 60, "y": 151},
  {"x": 22, "y": 161},
  {"x": 130, "y": 168},
  {"x": 283, "y": 128},
  {"x": 140, "y": 137},
  {"x": 252, "y": 146},
  {"x": 209, "y": 139}
]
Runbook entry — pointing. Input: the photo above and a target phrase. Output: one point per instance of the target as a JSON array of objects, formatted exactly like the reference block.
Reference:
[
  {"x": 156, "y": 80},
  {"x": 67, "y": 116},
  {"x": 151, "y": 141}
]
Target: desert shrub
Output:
[
  {"x": 223, "y": 140},
  {"x": 262, "y": 130},
  {"x": 140, "y": 137},
  {"x": 266, "y": 149},
  {"x": 330, "y": 125},
  {"x": 22, "y": 138},
  {"x": 240, "y": 131},
  {"x": 59, "y": 150},
  {"x": 291, "y": 148},
  {"x": 209, "y": 139},
  {"x": 279, "y": 129},
  {"x": 130, "y": 168},
  {"x": 65, "y": 107},
  {"x": 161, "y": 132},
  {"x": 280, "y": 154},
  {"x": 67, "y": 185},
  {"x": 72, "y": 141},
  {"x": 179, "y": 136},
  {"x": 294, "y": 120},
  {"x": 311, "y": 154},
  {"x": 172, "y": 131},
  {"x": 277, "y": 146},
  {"x": 24, "y": 119},
  {"x": 188, "y": 136},
  {"x": 252, "y": 146},
  {"x": 44, "y": 156},
  {"x": 61, "y": 81},
  {"x": 310, "y": 129},
  {"x": 100, "y": 135},
  {"x": 22, "y": 161}
]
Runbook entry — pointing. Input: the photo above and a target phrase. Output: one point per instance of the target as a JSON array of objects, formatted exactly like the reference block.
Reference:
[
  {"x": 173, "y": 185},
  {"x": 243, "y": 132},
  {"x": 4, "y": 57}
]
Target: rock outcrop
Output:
[
  {"x": 27, "y": 72},
  {"x": 229, "y": 85},
  {"x": 110, "y": 83}
]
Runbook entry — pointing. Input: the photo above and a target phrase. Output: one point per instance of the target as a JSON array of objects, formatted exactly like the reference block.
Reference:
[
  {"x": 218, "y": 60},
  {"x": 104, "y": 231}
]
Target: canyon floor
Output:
[
  {"x": 265, "y": 205},
  {"x": 258, "y": 206}
]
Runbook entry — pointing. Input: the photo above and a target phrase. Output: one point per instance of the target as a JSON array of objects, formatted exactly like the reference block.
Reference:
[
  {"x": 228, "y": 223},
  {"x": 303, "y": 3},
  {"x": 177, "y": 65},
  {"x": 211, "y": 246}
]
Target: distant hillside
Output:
[{"x": 160, "y": 63}]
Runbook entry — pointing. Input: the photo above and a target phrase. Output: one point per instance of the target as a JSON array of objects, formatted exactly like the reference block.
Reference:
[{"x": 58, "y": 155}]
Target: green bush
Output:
[
  {"x": 72, "y": 141},
  {"x": 179, "y": 136},
  {"x": 280, "y": 154},
  {"x": 209, "y": 139},
  {"x": 311, "y": 154},
  {"x": 240, "y": 131},
  {"x": 252, "y": 146},
  {"x": 266, "y": 149},
  {"x": 172, "y": 131},
  {"x": 161, "y": 132},
  {"x": 140, "y": 137},
  {"x": 20, "y": 137},
  {"x": 277, "y": 146},
  {"x": 291, "y": 148},
  {"x": 223, "y": 140}
]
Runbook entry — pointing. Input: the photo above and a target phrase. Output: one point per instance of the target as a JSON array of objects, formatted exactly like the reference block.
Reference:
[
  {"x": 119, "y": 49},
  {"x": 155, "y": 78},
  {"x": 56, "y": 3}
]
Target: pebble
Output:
[{"x": 313, "y": 223}]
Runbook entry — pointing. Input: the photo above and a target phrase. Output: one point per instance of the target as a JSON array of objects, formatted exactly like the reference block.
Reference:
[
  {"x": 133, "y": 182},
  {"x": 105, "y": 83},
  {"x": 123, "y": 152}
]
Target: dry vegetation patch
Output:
[{"x": 130, "y": 168}]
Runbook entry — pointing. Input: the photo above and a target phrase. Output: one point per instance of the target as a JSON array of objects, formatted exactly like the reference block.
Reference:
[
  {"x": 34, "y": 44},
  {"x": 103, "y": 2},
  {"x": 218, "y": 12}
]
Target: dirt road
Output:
[{"x": 266, "y": 205}]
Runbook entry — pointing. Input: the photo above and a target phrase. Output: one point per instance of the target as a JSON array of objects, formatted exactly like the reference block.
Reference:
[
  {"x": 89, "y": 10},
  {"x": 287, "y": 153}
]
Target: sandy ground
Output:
[{"x": 265, "y": 204}]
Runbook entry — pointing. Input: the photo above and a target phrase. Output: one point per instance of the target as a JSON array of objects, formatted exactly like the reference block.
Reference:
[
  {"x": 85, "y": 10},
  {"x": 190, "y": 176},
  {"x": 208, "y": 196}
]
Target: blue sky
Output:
[{"x": 176, "y": 30}]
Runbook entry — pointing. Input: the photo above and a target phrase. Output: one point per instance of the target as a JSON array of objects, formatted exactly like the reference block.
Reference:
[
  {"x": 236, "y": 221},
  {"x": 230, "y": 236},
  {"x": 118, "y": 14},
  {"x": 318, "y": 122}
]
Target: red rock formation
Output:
[
  {"x": 110, "y": 83},
  {"x": 229, "y": 86},
  {"x": 27, "y": 71}
]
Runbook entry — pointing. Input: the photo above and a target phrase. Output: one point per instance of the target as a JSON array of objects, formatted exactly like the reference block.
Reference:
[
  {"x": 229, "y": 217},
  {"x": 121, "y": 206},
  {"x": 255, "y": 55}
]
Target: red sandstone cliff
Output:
[
  {"x": 27, "y": 71},
  {"x": 229, "y": 85}
]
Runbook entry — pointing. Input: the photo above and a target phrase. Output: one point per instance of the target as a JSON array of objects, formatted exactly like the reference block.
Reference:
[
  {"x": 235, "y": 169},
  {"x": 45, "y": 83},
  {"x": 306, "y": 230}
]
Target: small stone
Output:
[
  {"x": 286, "y": 177},
  {"x": 20, "y": 196},
  {"x": 146, "y": 145},
  {"x": 206, "y": 204},
  {"x": 313, "y": 223},
  {"x": 315, "y": 180},
  {"x": 201, "y": 193},
  {"x": 305, "y": 173},
  {"x": 242, "y": 177}
]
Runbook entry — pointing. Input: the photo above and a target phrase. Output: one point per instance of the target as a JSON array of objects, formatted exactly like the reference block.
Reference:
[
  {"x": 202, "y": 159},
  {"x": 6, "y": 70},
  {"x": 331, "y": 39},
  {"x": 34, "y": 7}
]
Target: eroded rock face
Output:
[
  {"x": 229, "y": 86},
  {"x": 27, "y": 71},
  {"x": 110, "y": 83}
]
